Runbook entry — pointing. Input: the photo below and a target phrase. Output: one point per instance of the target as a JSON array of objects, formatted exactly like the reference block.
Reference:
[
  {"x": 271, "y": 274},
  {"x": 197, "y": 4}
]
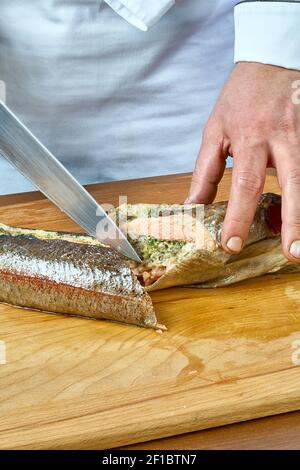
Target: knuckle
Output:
[
  {"x": 195, "y": 180},
  {"x": 293, "y": 223},
  {"x": 241, "y": 221},
  {"x": 249, "y": 145},
  {"x": 288, "y": 123},
  {"x": 293, "y": 178},
  {"x": 197, "y": 173},
  {"x": 295, "y": 226},
  {"x": 249, "y": 182}
]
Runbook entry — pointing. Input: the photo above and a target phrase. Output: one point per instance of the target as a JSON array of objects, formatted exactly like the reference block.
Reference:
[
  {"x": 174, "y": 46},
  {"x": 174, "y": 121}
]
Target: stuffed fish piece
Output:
[{"x": 180, "y": 244}]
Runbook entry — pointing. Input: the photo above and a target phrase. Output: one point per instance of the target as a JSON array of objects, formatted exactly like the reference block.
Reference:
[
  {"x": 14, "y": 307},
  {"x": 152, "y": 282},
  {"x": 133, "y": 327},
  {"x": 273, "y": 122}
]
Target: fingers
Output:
[
  {"x": 209, "y": 169},
  {"x": 248, "y": 177},
  {"x": 289, "y": 176}
]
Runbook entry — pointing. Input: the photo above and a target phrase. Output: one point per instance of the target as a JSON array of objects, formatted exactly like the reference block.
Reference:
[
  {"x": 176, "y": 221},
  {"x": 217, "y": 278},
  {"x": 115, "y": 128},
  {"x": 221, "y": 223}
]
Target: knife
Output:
[{"x": 21, "y": 148}]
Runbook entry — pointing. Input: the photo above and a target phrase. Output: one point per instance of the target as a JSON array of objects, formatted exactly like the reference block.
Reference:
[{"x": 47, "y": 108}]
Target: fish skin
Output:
[
  {"x": 60, "y": 276},
  {"x": 214, "y": 215}
]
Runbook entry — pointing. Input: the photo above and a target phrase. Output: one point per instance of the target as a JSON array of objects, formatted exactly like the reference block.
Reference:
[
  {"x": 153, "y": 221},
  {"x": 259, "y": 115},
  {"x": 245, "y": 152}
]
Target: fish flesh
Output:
[
  {"x": 71, "y": 274},
  {"x": 180, "y": 245}
]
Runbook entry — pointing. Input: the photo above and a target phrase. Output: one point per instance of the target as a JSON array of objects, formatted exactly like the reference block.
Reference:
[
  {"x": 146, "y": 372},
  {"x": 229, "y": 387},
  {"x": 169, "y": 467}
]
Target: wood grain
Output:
[
  {"x": 72, "y": 383},
  {"x": 281, "y": 432}
]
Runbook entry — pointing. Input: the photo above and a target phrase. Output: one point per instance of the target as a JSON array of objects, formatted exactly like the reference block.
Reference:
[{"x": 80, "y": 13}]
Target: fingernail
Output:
[
  {"x": 235, "y": 244},
  {"x": 295, "y": 249},
  {"x": 187, "y": 201}
]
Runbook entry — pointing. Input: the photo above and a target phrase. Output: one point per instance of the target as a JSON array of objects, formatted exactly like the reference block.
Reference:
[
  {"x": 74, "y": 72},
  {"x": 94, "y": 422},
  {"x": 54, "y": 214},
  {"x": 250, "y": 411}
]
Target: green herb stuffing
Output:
[{"x": 161, "y": 252}]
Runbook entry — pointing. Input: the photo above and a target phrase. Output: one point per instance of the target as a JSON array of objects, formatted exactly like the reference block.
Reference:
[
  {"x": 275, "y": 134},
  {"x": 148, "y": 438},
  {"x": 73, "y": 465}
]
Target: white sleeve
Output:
[
  {"x": 141, "y": 13},
  {"x": 268, "y": 32}
]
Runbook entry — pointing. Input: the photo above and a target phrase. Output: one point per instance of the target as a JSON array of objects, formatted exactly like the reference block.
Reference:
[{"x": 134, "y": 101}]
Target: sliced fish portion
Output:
[{"x": 70, "y": 274}]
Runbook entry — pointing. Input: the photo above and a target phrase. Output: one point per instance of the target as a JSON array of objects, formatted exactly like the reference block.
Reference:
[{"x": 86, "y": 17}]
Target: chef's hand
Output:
[{"x": 256, "y": 120}]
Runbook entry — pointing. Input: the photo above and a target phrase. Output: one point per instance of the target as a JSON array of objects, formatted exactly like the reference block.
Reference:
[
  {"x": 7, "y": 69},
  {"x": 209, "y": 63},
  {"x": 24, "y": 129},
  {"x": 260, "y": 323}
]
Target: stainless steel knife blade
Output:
[{"x": 21, "y": 148}]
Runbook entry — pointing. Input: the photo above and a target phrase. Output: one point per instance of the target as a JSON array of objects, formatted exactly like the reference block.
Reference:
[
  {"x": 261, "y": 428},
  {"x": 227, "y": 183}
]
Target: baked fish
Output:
[
  {"x": 180, "y": 245},
  {"x": 71, "y": 274}
]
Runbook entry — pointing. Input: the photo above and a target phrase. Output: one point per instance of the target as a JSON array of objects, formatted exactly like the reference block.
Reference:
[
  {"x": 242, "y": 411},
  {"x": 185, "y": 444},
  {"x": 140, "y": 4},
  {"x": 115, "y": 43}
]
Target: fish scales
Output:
[{"x": 71, "y": 278}]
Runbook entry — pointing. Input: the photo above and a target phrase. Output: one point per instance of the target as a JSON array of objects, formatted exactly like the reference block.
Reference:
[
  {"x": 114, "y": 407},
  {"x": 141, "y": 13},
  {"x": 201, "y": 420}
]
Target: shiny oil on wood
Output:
[{"x": 229, "y": 355}]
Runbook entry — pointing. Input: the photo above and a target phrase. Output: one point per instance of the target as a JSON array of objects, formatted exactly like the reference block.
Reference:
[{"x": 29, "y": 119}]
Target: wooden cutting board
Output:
[{"x": 230, "y": 354}]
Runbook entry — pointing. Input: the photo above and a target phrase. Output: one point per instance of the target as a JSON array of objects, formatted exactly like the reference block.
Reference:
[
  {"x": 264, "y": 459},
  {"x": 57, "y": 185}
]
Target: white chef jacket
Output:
[{"x": 122, "y": 88}]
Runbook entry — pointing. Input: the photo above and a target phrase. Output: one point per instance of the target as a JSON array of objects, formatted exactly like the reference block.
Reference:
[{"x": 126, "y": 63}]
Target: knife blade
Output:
[{"x": 21, "y": 148}]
